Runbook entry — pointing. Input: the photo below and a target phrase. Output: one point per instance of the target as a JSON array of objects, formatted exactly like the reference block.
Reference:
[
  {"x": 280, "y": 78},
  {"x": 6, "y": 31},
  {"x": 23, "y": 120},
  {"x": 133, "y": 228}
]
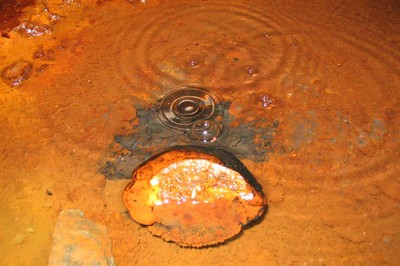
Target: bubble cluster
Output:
[{"x": 266, "y": 100}]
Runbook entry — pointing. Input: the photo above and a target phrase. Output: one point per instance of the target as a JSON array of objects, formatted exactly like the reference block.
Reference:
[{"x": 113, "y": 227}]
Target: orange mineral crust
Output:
[
  {"x": 194, "y": 196},
  {"x": 10, "y": 12}
]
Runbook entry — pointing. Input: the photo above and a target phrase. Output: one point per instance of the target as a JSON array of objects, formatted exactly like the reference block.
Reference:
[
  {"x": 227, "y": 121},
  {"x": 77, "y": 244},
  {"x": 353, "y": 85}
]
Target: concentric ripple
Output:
[
  {"x": 181, "y": 107},
  {"x": 255, "y": 49},
  {"x": 229, "y": 45},
  {"x": 360, "y": 68}
]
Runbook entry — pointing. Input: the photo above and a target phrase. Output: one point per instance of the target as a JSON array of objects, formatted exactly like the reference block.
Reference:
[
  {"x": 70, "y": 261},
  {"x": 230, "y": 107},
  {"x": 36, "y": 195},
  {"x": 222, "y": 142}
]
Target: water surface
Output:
[{"x": 331, "y": 174}]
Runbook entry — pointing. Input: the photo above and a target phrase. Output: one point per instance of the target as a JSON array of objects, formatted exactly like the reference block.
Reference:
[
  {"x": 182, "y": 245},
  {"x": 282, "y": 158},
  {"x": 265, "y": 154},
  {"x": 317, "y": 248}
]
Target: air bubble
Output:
[
  {"x": 267, "y": 35},
  {"x": 205, "y": 131},
  {"x": 251, "y": 70},
  {"x": 193, "y": 62}
]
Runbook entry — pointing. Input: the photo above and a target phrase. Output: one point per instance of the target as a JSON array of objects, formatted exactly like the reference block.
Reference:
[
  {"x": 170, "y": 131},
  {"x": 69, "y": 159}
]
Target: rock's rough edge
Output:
[{"x": 213, "y": 154}]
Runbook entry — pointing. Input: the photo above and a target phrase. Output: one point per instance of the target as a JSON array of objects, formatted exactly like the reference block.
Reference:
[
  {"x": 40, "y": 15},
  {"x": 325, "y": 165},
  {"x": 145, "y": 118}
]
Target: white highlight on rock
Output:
[
  {"x": 154, "y": 182},
  {"x": 199, "y": 180}
]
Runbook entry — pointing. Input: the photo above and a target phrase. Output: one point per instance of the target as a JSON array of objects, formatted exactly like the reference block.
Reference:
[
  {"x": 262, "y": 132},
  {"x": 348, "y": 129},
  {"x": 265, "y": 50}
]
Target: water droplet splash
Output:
[
  {"x": 179, "y": 108},
  {"x": 205, "y": 131},
  {"x": 266, "y": 100},
  {"x": 193, "y": 62},
  {"x": 192, "y": 110}
]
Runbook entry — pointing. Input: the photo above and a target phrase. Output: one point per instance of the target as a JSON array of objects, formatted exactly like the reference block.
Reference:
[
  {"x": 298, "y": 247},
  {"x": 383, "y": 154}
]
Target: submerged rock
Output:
[
  {"x": 80, "y": 241},
  {"x": 10, "y": 13},
  {"x": 33, "y": 29},
  {"x": 16, "y": 73},
  {"x": 194, "y": 196},
  {"x": 18, "y": 239}
]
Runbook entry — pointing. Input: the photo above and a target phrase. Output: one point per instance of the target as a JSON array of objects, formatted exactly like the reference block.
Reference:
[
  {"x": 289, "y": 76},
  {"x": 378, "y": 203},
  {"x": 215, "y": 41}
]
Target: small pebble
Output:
[
  {"x": 39, "y": 53},
  {"x": 16, "y": 73},
  {"x": 386, "y": 239},
  {"x": 48, "y": 205},
  {"x": 42, "y": 68},
  {"x": 18, "y": 239},
  {"x": 33, "y": 29},
  {"x": 30, "y": 230},
  {"x": 50, "y": 55}
]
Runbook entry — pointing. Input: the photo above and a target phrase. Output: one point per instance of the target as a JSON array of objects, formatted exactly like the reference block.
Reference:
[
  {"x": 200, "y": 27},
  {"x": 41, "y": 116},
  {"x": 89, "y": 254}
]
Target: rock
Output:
[
  {"x": 39, "y": 53},
  {"x": 33, "y": 29},
  {"x": 50, "y": 55},
  {"x": 16, "y": 73},
  {"x": 18, "y": 239},
  {"x": 42, "y": 68},
  {"x": 11, "y": 12},
  {"x": 44, "y": 54},
  {"x": 79, "y": 241},
  {"x": 194, "y": 196}
]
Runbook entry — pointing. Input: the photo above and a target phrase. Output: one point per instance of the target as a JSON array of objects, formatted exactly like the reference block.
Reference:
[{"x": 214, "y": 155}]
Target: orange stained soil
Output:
[{"x": 72, "y": 71}]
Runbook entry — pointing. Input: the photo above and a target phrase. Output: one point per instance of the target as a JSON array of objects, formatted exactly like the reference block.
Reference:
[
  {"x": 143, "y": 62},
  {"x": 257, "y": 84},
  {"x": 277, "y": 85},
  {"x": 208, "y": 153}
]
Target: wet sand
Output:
[{"x": 331, "y": 174}]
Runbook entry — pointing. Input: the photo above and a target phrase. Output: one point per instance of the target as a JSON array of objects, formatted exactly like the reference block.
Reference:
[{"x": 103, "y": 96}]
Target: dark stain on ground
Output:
[
  {"x": 10, "y": 12},
  {"x": 148, "y": 137}
]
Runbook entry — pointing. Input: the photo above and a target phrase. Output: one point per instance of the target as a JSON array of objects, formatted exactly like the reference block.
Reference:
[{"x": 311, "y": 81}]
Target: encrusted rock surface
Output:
[
  {"x": 16, "y": 73},
  {"x": 194, "y": 196},
  {"x": 79, "y": 241}
]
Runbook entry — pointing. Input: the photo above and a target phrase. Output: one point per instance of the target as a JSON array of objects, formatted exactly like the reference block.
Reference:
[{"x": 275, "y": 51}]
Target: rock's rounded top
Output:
[{"x": 194, "y": 196}]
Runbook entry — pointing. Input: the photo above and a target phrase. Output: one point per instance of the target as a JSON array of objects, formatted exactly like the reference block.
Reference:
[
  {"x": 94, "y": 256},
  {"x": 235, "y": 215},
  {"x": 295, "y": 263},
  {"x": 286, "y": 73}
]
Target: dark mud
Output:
[{"x": 252, "y": 140}]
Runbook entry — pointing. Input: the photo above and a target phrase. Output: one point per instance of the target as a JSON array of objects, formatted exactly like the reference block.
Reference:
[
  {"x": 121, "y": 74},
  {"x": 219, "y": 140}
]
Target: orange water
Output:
[{"x": 332, "y": 67}]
